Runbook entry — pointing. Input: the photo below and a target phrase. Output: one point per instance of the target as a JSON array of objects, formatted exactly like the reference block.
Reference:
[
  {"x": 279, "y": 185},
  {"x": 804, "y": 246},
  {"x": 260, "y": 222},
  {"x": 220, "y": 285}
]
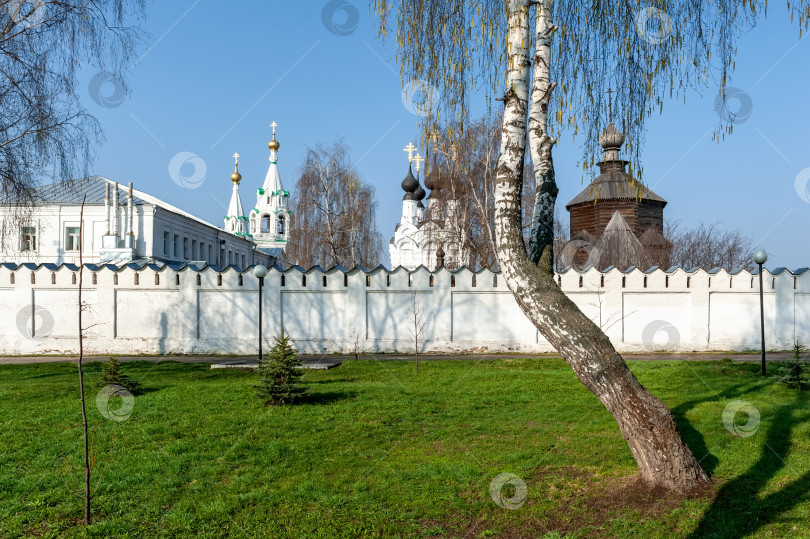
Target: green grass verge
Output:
[{"x": 378, "y": 451}]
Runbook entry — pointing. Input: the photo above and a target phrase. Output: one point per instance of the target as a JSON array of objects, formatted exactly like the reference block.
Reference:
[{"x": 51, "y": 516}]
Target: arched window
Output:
[
  {"x": 280, "y": 225},
  {"x": 265, "y": 224}
]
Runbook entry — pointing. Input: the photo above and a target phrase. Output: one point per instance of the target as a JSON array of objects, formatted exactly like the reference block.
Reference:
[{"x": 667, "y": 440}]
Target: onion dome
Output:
[
  {"x": 440, "y": 257},
  {"x": 273, "y": 144},
  {"x": 236, "y": 177},
  {"x": 409, "y": 184},
  {"x": 433, "y": 179},
  {"x": 419, "y": 194},
  {"x": 611, "y": 140}
]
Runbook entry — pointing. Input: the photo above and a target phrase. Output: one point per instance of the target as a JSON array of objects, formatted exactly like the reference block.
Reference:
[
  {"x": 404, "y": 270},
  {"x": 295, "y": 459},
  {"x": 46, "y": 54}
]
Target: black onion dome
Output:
[
  {"x": 434, "y": 178},
  {"x": 409, "y": 184},
  {"x": 419, "y": 194}
]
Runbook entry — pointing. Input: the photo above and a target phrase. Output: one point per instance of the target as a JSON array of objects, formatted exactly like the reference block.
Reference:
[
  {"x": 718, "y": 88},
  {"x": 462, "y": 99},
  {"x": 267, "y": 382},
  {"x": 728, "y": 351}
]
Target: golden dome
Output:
[
  {"x": 236, "y": 177},
  {"x": 273, "y": 144}
]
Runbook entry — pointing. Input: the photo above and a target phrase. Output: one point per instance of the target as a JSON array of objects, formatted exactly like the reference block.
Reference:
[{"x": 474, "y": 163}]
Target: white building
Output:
[
  {"x": 123, "y": 225},
  {"x": 424, "y": 236}
]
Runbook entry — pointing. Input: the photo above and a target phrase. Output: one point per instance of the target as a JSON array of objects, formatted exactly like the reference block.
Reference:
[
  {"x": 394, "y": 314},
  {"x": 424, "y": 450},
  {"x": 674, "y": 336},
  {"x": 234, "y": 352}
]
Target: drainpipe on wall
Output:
[
  {"x": 114, "y": 230},
  {"x": 107, "y": 207},
  {"x": 129, "y": 242}
]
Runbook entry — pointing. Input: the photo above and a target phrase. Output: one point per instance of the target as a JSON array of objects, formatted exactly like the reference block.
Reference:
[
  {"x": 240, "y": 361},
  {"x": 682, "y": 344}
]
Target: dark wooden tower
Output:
[{"x": 614, "y": 190}]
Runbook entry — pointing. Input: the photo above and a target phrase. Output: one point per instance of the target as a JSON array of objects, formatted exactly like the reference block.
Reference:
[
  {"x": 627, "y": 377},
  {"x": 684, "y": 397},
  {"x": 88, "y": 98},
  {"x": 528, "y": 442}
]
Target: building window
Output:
[
  {"x": 28, "y": 238},
  {"x": 176, "y": 252},
  {"x": 185, "y": 248},
  {"x": 210, "y": 254},
  {"x": 72, "y": 239},
  {"x": 194, "y": 249},
  {"x": 166, "y": 243},
  {"x": 280, "y": 226},
  {"x": 265, "y": 224}
]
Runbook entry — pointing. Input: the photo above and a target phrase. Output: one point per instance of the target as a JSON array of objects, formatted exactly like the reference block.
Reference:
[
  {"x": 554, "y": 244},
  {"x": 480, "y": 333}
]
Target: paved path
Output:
[{"x": 329, "y": 358}]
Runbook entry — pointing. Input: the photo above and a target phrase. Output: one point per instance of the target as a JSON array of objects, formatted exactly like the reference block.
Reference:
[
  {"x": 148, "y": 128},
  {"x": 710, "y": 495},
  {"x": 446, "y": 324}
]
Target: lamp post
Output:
[
  {"x": 260, "y": 272},
  {"x": 760, "y": 257}
]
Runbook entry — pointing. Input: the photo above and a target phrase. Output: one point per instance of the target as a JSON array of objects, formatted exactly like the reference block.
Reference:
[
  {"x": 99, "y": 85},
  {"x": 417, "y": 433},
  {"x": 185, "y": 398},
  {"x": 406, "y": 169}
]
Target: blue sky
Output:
[{"x": 211, "y": 76}]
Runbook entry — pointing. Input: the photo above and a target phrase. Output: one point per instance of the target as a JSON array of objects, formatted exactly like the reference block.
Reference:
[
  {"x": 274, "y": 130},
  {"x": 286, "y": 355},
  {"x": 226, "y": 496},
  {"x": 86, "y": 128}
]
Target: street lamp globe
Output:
[
  {"x": 260, "y": 271},
  {"x": 760, "y": 257}
]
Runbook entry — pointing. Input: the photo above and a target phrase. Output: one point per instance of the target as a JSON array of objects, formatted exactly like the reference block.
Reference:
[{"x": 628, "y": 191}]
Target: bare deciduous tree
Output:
[
  {"x": 334, "y": 213},
  {"x": 44, "y": 129},
  {"x": 465, "y": 165},
  {"x": 645, "y": 54},
  {"x": 417, "y": 322},
  {"x": 708, "y": 246}
]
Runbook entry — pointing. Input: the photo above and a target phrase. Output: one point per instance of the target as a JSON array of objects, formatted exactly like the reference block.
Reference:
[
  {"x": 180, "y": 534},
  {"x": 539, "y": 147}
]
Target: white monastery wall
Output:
[{"x": 152, "y": 310}]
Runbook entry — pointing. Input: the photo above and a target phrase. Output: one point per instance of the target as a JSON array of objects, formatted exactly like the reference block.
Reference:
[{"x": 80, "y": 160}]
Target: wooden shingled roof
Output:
[
  {"x": 614, "y": 184},
  {"x": 619, "y": 247}
]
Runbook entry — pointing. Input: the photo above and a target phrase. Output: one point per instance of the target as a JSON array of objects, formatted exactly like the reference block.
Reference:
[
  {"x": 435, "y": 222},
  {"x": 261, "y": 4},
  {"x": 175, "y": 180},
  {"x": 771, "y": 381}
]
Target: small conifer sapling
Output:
[{"x": 280, "y": 374}]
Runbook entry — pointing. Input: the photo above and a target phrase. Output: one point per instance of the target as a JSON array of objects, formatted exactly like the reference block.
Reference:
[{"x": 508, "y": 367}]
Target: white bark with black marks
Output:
[{"x": 645, "y": 422}]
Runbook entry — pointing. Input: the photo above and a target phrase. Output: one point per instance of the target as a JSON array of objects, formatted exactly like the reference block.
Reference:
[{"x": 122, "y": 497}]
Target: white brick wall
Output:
[{"x": 653, "y": 311}]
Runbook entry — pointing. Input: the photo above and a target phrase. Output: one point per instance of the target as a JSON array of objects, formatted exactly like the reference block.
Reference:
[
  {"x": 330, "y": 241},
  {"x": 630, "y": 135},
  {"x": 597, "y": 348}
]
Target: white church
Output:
[
  {"x": 424, "y": 235},
  {"x": 123, "y": 225}
]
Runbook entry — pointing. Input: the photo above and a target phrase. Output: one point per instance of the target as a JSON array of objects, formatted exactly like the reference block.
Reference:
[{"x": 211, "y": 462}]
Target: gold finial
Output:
[
  {"x": 236, "y": 177},
  {"x": 419, "y": 159},
  {"x": 410, "y": 148},
  {"x": 273, "y": 144}
]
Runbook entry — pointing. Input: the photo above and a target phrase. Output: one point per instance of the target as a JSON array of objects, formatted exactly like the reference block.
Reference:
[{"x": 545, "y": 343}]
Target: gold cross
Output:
[
  {"x": 609, "y": 92},
  {"x": 273, "y": 125},
  {"x": 235, "y": 158},
  {"x": 418, "y": 160},
  {"x": 410, "y": 148}
]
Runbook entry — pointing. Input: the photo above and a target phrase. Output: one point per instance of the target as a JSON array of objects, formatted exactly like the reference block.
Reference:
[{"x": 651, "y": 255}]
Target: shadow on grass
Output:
[
  {"x": 739, "y": 509},
  {"x": 692, "y": 437},
  {"x": 326, "y": 397}
]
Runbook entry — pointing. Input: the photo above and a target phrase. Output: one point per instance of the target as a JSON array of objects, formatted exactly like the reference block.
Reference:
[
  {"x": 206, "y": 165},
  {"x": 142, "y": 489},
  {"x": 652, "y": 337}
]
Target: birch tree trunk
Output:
[{"x": 645, "y": 422}]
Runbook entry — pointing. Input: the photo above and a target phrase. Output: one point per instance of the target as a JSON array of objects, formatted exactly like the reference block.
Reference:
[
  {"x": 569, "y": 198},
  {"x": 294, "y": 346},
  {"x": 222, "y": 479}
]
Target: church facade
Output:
[
  {"x": 123, "y": 225},
  {"x": 424, "y": 235}
]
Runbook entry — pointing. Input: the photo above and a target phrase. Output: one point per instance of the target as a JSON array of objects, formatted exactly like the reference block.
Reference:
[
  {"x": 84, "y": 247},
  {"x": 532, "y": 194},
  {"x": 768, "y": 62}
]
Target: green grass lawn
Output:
[{"x": 378, "y": 451}]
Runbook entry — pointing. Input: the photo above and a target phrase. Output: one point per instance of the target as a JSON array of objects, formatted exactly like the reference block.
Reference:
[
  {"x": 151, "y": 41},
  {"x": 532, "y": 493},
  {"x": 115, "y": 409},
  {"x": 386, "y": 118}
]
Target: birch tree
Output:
[
  {"x": 334, "y": 213},
  {"x": 44, "y": 128},
  {"x": 550, "y": 64}
]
